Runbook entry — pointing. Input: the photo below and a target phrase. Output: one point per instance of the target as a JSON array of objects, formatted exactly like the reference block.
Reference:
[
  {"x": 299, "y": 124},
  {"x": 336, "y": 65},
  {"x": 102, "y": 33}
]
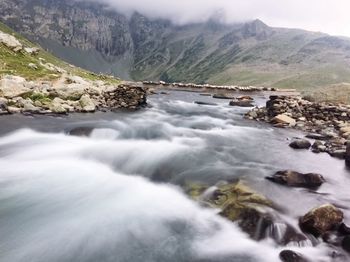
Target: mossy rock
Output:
[{"x": 238, "y": 203}]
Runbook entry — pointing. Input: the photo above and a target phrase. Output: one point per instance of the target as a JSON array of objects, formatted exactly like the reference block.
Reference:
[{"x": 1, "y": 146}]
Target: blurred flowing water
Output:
[{"x": 114, "y": 194}]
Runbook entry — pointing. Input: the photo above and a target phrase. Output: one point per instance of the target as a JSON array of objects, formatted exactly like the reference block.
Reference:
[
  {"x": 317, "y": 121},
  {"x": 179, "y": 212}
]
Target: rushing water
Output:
[{"x": 115, "y": 194}]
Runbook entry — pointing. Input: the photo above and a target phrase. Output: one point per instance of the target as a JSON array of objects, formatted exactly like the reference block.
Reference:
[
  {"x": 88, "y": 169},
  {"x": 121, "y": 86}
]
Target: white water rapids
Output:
[{"x": 98, "y": 198}]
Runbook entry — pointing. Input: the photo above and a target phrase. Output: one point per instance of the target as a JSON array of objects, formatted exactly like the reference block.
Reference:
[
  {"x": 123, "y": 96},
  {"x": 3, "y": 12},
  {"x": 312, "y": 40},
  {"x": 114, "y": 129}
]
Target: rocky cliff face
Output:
[{"x": 100, "y": 39}]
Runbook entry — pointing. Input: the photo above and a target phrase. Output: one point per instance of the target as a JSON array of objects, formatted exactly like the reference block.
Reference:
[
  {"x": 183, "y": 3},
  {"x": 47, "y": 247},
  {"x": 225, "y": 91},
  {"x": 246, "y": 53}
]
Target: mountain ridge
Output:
[{"x": 139, "y": 48}]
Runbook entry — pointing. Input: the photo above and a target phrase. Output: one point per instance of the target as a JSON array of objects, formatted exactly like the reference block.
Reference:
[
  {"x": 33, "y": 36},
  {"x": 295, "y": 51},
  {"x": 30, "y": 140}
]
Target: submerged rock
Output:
[
  {"x": 296, "y": 179},
  {"x": 205, "y": 103},
  {"x": 321, "y": 219},
  {"x": 241, "y": 103},
  {"x": 291, "y": 256},
  {"x": 238, "y": 203},
  {"x": 300, "y": 144},
  {"x": 223, "y": 96}
]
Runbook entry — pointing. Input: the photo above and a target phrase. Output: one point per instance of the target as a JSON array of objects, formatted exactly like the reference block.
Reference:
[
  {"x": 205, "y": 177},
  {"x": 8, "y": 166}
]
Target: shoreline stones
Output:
[
  {"x": 68, "y": 94},
  {"x": 325, "y": 122},
  {"x": 296, "y": 179},
  {"x": 322, "y": 219},
  {"x": 225, "y": 87}
]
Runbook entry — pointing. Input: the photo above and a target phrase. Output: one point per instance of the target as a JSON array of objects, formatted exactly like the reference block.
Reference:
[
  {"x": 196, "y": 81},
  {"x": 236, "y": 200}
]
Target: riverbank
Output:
[
  {"x": 327, "y": 124},
  {"x": 68, "y": 94}
]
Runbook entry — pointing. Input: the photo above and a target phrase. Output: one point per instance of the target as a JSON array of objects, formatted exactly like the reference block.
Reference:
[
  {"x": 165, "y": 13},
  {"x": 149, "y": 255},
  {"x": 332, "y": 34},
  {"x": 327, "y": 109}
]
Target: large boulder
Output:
[
  {"x": 14, "y": 86},
  {"x": 322, "y": 219},
  {"x": 296, "y": 179},
  {"x": 10, "y": 41},
  {"x": 87, "y": 104},
  {"x": 238, "y": 203},
  {"x": 57, "y": 107},
  {"x": 300, "y": 144},
  {"x": 73, "y": 91}
]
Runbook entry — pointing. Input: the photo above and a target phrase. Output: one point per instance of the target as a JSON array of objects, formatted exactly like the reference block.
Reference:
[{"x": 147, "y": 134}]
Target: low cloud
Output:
[{"x": 330, "y": 16}]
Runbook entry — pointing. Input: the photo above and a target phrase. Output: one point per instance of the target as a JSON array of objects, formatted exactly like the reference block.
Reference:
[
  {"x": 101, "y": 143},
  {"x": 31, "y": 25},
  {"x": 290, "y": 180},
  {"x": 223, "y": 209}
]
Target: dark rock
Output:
[
  {"x": 296, "y": 179},
  {"x": 300, "y": 144},
  {"x": 205, "y": 94},
  {"x": 291, "y": 256},
  {"x": 346, "y": 243},
  {"x": 338, "y": 153},
  {"x": 81, "y": 131},
  {"x": 205, "y": 103},
  {"x": 317, "y": 136},
  {"x": 344, "y": 229},
  {"x": 223, "y": 96},
  {"x": 242, "y": 103},
  {"x": 347, "y": 155},
  {"x": 321, "y": 219}
]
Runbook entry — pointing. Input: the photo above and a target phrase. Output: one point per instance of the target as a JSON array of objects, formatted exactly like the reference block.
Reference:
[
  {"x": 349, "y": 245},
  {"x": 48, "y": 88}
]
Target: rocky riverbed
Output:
[
  {"x": 117, "y": 179},
  {"x": 326, "y": 125}
]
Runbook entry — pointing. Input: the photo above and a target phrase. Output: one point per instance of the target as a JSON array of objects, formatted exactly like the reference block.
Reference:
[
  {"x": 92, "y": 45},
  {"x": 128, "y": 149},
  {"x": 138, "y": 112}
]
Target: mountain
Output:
[{"x": 100, "y": 39}]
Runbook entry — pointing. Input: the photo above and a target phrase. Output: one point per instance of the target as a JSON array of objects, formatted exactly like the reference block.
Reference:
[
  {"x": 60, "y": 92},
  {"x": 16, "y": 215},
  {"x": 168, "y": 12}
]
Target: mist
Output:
[{"x": 313, "y": 15}]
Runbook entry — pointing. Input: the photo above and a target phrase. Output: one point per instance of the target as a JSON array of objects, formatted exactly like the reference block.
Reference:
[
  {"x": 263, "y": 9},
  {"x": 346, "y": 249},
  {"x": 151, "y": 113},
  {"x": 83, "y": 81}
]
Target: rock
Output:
[
  {"x": 205, "y": 103},
  {"x": 346, "y": 243},
  {"x": 32, "y": 50},
  {"x": 284, "y": 119},
  {"x": 241, "y": 103},
  {"x": 87, "y": 104},
  {"x": 29, "y": 107},
  {"x": 10, "y": 41},
  {"x": 56, "y": 106},
  {"x": 223, "y": 96},
  {"x": 317, "y": 136},
  {"x": 291, "y": 256},
  {"x": 13, "y": 110},
  {"x": 33, "y": 66},
  {"x": 344, "y": 229},
  {"x": 347, "y": 154},
  {"x": 205, "y": 94},
  {"x": 238, "y": 203},
  {"x": 321, "y": 219},
  {"x": 13, "y": 86},
  {"x": 300, "y": 144},
  {"x": 245, "y": 98},
  {"x": 81, "y": 131},
  {"x": 340, "y": 153},
  {"x": 69, "y": 92},
  {"x": 296, "y": 179}
]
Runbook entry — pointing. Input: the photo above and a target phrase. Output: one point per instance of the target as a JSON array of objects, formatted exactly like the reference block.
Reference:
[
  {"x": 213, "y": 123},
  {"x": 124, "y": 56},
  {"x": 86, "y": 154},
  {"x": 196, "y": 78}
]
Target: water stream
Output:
[{"x": 114, "y": 194}]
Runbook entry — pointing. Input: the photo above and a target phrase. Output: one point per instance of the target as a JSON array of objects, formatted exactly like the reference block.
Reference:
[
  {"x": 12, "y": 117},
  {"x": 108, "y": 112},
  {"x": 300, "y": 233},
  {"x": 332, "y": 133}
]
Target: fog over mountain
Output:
[{"x": 327, "y": 16}]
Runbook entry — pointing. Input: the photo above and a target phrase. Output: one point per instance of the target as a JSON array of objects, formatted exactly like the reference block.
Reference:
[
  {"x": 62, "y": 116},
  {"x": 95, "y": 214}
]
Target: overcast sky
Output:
[{"x": 329, "y": 16}]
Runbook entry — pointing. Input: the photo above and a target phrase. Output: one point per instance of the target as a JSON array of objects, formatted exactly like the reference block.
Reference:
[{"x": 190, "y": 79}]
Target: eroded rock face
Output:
[
  {"x": 296, "y": 179},
  {"x": 321, "y": 219}
]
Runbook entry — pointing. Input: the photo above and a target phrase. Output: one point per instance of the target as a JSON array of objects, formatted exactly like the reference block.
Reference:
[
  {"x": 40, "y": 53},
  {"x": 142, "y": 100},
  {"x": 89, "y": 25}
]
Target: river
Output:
[{"x": 115, "y": 194}]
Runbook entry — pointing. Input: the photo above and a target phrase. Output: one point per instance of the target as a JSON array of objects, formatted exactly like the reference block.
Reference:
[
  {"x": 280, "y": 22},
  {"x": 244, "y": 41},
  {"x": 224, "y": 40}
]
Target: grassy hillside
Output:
[{"x": 18, "y": 63}]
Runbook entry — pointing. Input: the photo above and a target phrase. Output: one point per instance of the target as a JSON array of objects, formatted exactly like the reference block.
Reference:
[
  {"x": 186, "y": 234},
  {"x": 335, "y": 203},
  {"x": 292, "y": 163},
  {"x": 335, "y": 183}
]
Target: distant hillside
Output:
[
  {"x": 96, "y": 38},
  {"x": 20, "y": 57}
]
